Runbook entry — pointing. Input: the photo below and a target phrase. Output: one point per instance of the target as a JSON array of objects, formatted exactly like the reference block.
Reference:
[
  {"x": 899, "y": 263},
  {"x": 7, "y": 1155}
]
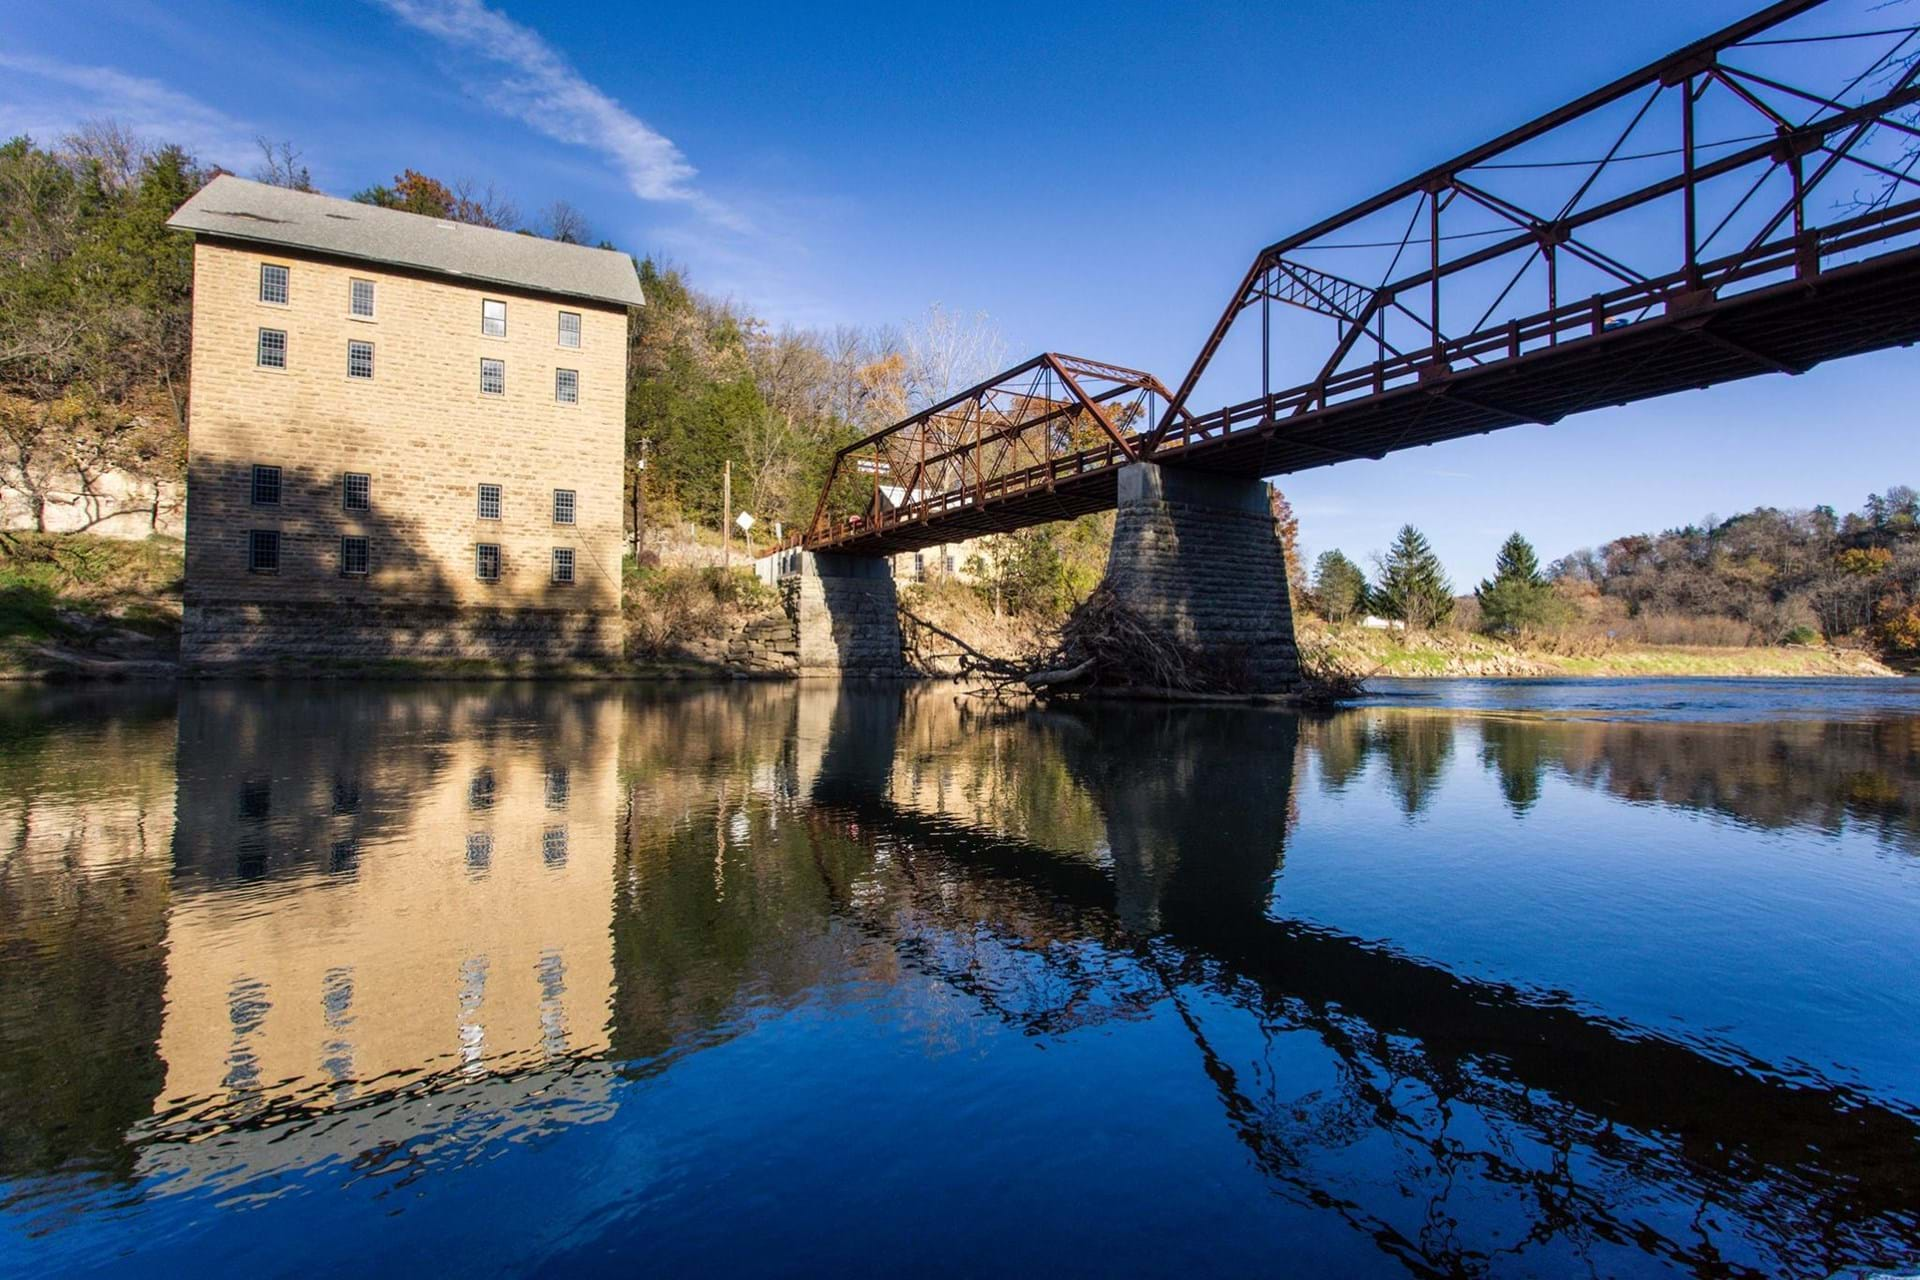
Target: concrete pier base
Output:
[
  {"x": 846, "y": 615},
  {"x": 1200, "y": 555}
]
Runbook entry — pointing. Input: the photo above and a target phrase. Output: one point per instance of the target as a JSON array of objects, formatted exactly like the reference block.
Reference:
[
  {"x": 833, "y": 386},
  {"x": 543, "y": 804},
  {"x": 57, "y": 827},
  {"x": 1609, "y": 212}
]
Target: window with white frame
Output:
[
  {"x": 356, "y": 491},
  {"x": 486, "y": 562},
  {"x": 266, "y": 486},
  {"x": 566, "y": 386},
  {"x": 489, "y": 502},
  {"x": 493, "y": 318},
  {"x": 263, "y": 551},
  {"x": 563, "y": 565},
  {"x": 271, "y": 352},
  {"x": 273, "y": 283},
  {"x": 563, "y": 506},
  {"x": 355, "y": 557},
  {"x": 569, "y": 328},
  {"x": 493, "y": 377},
  {"x": 360, "y": 299},
  {"x": 359, "y": 359}
]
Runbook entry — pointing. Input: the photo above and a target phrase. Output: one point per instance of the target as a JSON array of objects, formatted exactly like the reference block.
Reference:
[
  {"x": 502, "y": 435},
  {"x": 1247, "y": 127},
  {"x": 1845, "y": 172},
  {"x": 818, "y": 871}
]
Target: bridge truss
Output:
[
  {"x": 1017, "y": 447},
  {"x": 1746, "y": 205}
]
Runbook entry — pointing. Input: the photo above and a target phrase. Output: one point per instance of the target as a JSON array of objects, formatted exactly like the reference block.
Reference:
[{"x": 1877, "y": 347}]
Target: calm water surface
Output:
[{"x": 1605, "y": 978}]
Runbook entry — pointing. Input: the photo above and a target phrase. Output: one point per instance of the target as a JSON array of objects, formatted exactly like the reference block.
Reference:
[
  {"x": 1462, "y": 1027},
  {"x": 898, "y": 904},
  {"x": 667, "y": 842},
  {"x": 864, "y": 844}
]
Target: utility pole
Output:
[
  {"x": 640, "y": 500},
  {"x": 726, "y": 515}
]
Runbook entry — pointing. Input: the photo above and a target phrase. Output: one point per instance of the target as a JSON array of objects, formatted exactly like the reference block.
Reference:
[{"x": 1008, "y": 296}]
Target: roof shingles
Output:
[{"x": 236, "y": 209}]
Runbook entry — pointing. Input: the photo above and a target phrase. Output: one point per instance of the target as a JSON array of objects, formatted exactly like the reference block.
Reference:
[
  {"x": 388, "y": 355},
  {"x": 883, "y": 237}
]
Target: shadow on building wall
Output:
[{"x": 411, "y": 603}]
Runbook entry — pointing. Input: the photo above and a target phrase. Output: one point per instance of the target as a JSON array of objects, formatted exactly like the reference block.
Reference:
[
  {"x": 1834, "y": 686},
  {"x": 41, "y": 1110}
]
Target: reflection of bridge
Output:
[
  {"x": 1699, "y": 221},
  {"x": 1195, "y": 846},
  {"x": 1662, "y": 233}
]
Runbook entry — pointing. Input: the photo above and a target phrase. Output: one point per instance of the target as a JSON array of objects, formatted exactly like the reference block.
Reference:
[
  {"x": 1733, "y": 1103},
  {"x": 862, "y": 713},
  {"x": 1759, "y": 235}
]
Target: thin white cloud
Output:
[
  {"x": 57, "y": 97},
  {"x": 547, "y": 94}
]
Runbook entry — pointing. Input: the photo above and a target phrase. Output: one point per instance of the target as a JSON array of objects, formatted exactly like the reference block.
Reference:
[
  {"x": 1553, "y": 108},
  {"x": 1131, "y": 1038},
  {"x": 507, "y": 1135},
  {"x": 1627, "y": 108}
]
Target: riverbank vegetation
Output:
[
  {"x": 1765, "y": 579},
  {"x": 70, "y": 599}
]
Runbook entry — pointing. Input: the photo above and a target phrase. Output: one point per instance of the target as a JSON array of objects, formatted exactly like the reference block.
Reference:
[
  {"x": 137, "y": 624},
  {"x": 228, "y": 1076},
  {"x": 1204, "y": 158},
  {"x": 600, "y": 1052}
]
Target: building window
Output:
[
  {"x": 919, "y": 567},
  {"x": 563, "y": 506},
  {"x": 493, "y": 318},
  {"x": 489, "y": 502},
  {"x": 273, "y": 283},
  {"x": 356, "y": 491},
  {"x": 263, "y": 551},
  {"x": 559, "y": 786},
  {"x": 480, "y": 789},
  {"x": 553, "y": 846},
  {"x": 354, "y": 557},
  {"x": 359, "y": 359},
  {"x": 569, "y": 328},
  {"x": 566, "y": 386},
  {"x": 486, "y": 562},
  {"x": 563, "y": 565},
  {"x": 272, "y": 350},
  {"x": 266, "y": 486},
  {"x": 493, "y": 377},
  {"x": 479, "y": 852},
  {"x": 360, "y": 299}
]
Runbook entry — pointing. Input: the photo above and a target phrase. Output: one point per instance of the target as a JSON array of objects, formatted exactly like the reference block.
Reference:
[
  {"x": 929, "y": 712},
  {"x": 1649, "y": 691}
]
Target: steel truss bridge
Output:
[{"x": 1746, "y": 205}]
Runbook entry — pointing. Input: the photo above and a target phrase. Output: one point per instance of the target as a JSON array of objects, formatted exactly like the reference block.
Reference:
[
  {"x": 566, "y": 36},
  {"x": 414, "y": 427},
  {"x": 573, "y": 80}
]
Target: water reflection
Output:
[{"x": 323, "y": 939}]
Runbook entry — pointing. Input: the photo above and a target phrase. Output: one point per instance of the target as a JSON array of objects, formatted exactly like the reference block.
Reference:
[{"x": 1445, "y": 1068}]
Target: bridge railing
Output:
[
  {"x": 1767, "y": 152},
  {"x": 1049, "y": 419}
]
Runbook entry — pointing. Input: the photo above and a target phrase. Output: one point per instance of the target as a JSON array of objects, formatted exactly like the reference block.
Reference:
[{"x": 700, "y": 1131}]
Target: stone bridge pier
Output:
[
  {"x": 1200, "y": 555},
  {"x": 845, "y": 614}
]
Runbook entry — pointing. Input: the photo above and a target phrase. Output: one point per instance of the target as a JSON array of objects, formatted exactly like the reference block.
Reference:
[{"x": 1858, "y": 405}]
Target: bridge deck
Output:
[{"x": 1786, "y": 327}]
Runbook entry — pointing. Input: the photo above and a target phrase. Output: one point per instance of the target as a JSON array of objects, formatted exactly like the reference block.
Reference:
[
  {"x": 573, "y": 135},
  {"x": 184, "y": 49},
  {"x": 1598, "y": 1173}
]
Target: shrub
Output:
[{"x": 1801, "y": 635}]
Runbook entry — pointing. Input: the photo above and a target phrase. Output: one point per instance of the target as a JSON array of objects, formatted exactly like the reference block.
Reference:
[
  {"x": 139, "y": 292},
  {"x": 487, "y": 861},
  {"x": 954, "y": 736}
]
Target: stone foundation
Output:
[
  {"x": 846, "y": 616},
  {"x": 217, "y": 635},
  {"x": 1200, "y": 555}
]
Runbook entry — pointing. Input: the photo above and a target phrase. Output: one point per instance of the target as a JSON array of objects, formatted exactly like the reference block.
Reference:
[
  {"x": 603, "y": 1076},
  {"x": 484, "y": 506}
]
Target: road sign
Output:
[{"x": 745, "y": 522}]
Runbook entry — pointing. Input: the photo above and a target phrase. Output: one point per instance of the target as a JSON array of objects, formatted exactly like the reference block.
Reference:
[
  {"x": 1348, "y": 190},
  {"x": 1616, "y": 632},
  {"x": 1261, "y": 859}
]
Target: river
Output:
[{"x": 1582, "y": 978}]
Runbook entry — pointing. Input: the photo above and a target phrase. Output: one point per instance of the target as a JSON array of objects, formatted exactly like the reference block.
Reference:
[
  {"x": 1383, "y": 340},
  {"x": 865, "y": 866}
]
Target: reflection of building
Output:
[
  {"x": 443, "y": 896},
  {"x": 406, "y": 432}
]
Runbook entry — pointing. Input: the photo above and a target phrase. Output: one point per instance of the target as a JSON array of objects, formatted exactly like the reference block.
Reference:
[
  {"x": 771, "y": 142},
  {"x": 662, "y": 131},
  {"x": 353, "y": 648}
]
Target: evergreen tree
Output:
[
  {"x": 1517, "y": 597},
  {"x": 1413, "y": 586},
  {"x": 1339, "y": 588}
]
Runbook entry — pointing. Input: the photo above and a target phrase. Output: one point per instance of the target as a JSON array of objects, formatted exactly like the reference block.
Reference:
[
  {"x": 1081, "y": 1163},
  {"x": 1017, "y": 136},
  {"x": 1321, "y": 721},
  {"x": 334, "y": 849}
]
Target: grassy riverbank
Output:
[
  {"x": 69, "y": 600},
  {"x": 76, "y": 605},
  {"x": 1465, "y": 654}
]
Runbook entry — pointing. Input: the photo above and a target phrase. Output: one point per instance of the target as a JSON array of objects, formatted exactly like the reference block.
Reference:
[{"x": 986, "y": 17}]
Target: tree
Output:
[
  {"x": 1339, "y": 587},
  {"x": 415, "y": 192},
  {"x": 1287, "y": 525},
  {"x": 280, "y": 165},
  {"x": 1517, "y": 598},
  {"x": 1413, "y": 586},
  {"x": 561, "y": 221}
]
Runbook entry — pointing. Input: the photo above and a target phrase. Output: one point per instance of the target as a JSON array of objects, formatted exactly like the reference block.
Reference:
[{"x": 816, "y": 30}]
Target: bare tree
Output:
[
  {"x": 280, "y": 165},
  {"x": 118, "y": 152},
  {"x": 483, "y": 206},
  {"x": 946, "y": 352},
  {"x": 561, "y": 221}
]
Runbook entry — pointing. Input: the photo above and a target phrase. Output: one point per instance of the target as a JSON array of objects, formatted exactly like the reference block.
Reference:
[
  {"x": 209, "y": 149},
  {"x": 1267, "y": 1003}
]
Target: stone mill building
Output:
[{"x": 405, "y": 436}]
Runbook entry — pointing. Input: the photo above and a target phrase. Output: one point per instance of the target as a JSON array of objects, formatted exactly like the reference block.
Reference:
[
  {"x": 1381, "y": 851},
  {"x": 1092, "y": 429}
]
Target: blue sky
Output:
[{"x": 1093, "y": 177}]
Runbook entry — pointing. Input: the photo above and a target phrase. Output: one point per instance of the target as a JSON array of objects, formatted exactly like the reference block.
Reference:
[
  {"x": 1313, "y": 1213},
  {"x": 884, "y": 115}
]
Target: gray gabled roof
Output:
[{"x": 236, "y": 209}]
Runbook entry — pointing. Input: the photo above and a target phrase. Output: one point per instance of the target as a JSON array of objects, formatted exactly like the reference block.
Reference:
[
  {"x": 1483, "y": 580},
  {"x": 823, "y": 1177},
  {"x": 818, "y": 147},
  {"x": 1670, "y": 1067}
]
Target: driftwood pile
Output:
[{"x": 1106, "y": 647}]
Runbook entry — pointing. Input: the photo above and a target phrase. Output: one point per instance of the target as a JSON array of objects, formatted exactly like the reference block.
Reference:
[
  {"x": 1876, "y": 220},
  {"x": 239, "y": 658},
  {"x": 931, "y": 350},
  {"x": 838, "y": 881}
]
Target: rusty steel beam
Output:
[{"x": 1690, "y": 71}]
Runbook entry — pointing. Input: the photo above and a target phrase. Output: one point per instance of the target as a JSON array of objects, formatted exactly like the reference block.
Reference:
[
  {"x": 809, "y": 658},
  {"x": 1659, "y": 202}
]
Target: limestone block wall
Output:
[
  {"x": 426, "y": 432},
  {"x": 846, "y": 616},
  {"x": 281, "y": 633},
  {"x": 1200, "y": 555}
]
